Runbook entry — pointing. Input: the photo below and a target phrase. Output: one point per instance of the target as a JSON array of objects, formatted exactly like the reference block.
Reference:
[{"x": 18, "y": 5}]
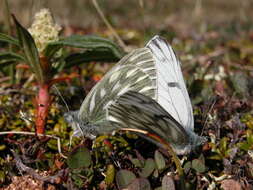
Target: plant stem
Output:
[
  {"x": 114, "y": 33},
  {"x": 178, "y": 166},
  {"x": 43, "y": 102}
]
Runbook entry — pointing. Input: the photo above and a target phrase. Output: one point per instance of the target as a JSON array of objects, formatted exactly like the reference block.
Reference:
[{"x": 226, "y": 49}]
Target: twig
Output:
[
  {"x": 7, "y": 16},
  {"x": 198, "y": 8},
  {"x": 206, "y": 117},
  {"x": 34, "y": 134},
  {"x": 114, "y": 33},
  {"x": 242, "y": 67},
  {"x": 8, "y": 91},
  {"x": 33, "y": 173},
  {"x": 4, "y": 91},
  {"x": 3, "y": 79}
]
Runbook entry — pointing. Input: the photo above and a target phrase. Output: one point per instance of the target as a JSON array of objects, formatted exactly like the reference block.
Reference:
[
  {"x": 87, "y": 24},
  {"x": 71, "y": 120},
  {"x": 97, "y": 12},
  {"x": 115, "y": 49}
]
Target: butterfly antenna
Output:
[
  {"x": 60, "y": 95},
  {"x": 206, "y": 115}
]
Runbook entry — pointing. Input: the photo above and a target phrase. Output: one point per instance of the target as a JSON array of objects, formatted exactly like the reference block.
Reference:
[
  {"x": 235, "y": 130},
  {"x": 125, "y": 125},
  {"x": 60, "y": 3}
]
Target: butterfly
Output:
[{"x": 145, "y": 91}]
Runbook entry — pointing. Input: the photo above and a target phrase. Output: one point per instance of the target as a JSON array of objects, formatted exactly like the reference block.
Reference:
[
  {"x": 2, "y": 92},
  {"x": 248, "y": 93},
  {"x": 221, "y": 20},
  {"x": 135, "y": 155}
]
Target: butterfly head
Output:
[
  {"x": 72, "y": 119},
  {"x": 81, "y": 127}
]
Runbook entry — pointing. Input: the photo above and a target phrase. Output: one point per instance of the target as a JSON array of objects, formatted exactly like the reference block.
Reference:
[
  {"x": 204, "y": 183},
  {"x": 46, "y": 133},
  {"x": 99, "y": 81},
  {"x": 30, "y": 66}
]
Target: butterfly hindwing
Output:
[{"x": 137, "y": 111}]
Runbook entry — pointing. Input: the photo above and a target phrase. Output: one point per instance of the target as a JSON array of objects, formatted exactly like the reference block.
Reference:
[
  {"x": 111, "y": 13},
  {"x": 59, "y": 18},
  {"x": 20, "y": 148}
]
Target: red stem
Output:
[
  {"x": 43, "y": 99},
  {"x": 43, "y": 102}
]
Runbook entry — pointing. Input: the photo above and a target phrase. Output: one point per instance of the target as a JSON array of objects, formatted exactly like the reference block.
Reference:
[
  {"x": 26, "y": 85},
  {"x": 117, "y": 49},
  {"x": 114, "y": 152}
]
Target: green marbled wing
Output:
[
  {"x": 135, "y": 72},
  {"x": 133, "y": 110}
]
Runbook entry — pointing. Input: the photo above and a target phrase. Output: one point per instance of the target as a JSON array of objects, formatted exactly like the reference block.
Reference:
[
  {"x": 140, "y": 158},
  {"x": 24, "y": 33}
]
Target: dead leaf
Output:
[{"x": 168, "y": 183}]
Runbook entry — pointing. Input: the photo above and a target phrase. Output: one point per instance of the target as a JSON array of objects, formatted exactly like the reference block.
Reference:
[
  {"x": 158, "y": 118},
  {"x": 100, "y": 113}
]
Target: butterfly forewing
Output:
[
  {"x": 172, "y": 94},
  {"x": 134, "y": 72},
  {"x": 137, "y": 111}
]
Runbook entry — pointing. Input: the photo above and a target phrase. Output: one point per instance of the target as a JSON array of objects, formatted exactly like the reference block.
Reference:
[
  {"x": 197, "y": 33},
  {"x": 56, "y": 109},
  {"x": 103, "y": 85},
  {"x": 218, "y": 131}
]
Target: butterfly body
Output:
[{"x": 145, "y": 91}]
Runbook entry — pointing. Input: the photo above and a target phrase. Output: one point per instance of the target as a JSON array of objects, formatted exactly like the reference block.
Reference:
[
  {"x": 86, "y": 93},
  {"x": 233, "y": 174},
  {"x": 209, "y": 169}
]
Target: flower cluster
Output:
[{"x": 44, "y": 30}]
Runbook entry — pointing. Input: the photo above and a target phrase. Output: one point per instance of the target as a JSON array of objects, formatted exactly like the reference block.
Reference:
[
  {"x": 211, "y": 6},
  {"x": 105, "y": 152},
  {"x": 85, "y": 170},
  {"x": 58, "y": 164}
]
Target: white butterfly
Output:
[{"x": 145, "y": 91}]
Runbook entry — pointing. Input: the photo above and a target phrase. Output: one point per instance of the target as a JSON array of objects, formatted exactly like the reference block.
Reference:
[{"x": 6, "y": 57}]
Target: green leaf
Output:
[
  {"x": 249, "y": 136},
  {"x": 139, "y": 184},
  {"x": 187, "y": 166},
  {"x": 215, "y": 157},
  {"x": 9, "y": 57},
  {"x": 100, "y": 55},
  {"x": 79, "y": 182},
  {"x": 159, "y": 160},
  {"x": 79, "y": 158},
  {"x": 8, "y": 39},
  {"x": 110, "y": 174},
  {"x": 223, "y": 144},
  {"x": 198, "y": 165},
  {"x": 2, "y": 147},
  {"x": 51, "y": 49},
  {"x": 136, "y": 162},
  {"x": 124, "y": 178},
  {"x": 2, "y": 176},
  {"x": 148, "y": 168},
  {"x": 86, "y": 42},
  {"x": 32, "y": 56},
  {"x": 244, "y": 146}
]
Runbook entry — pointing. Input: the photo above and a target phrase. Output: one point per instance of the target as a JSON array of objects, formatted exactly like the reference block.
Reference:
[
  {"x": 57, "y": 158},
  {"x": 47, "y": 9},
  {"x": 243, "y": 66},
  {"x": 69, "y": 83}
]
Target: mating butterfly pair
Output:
[{"x": 144, "y": 91}]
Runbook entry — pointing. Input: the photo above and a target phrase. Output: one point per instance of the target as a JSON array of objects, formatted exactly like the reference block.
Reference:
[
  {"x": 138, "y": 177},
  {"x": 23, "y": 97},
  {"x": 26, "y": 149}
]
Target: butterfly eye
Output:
[{"x": 68, "y": 117}]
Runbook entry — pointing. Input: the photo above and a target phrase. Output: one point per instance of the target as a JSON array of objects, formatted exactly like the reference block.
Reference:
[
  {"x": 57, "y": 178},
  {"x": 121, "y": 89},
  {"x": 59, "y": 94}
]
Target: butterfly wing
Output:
[
  {"x": 133, "y": 72},
  {"x": 133, "y": 110},
  {"x": 172, "y": 94}
]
